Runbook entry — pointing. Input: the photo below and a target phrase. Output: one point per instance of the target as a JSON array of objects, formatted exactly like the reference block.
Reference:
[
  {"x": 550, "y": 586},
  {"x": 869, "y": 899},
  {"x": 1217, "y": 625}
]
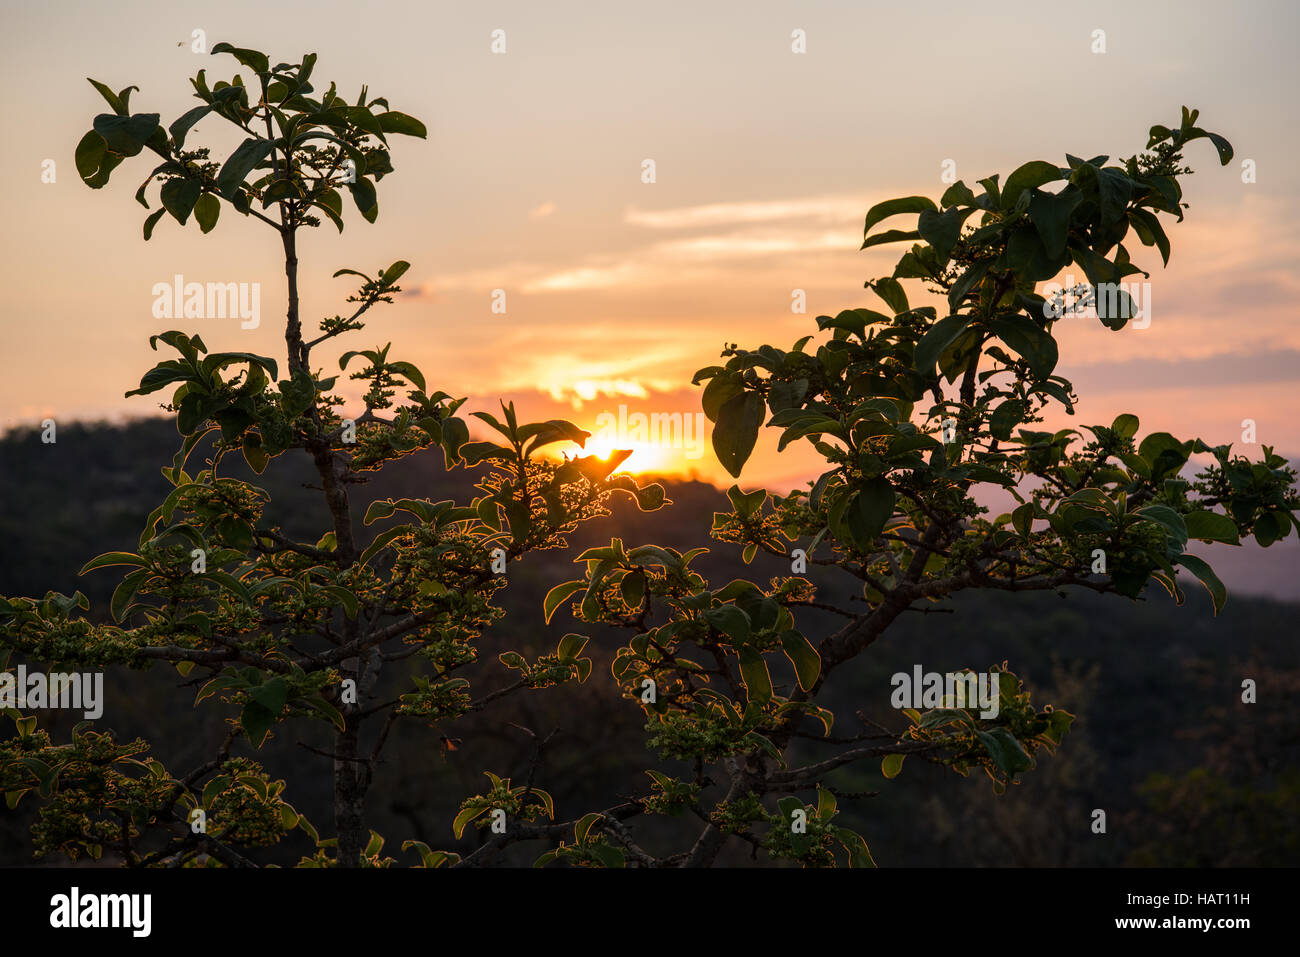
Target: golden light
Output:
[{"x": 645, "y": 457}]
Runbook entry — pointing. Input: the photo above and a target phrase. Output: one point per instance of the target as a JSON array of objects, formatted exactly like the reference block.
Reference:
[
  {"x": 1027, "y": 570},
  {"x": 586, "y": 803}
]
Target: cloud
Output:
[
  {"x": 738, "y": 237},
  {"x": 752, "y": 245},
  {"x": 840, "y": 208},
  {"x": 589, "y": 277},
  {"x": 586, "y": 390},
  {"x": 1222, "y": 369},
  {"x": 470, "y": 280}
]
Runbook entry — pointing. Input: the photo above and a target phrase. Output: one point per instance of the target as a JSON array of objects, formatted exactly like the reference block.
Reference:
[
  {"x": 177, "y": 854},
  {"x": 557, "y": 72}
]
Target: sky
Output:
[{"x": 616, "y": 289}]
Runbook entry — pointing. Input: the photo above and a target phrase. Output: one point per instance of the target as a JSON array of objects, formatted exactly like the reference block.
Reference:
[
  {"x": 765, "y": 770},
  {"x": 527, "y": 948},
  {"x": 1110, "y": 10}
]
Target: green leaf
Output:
[
  {"x": 965, "y": 283},
  {"x": 720, "y": 390},
  {"x": 241, "y": 162},
  {"x": 272, "y": 695},
  {"x": 410, "y": 372},
  {"x": 1029, "y": 176},
  {"x": 938, "y": 717},
  {"x": 179, "y": 196},
  {"x": 892, "y": 765},
  {"x": 939, "y": 337},
  {"x": 1218, "y": 593},
  {"x": 891, "y": 291},
  {"x": 632, "y": 589},
  {"x": 150, "y": 222},
  {"x": 1165, "y": 453},
  {"x": 807, "y": 662},
  {"x": 1035, "y": 346},
  {"x": 125, "y": 592},
  {"x": 112, "y": 558},
  {"x": 557, "y": 596},
  {"x": 464, "y": 817},
  {"x": 363, "y": 194},
  {"x": 253, "y": 59},
  {"x": 753, "y": 671},
  {"x": 90, "y": 154},
  {"x": 256, "y": 720},
  {"x": 1166, "y": 517},
  {"x": 1006, "y": 752},
  {"x": 990, "y": 184},
  {"x": 859, "y": 854},
  {"x": 455, "y": 433},
  {"x": 326, "y": 711},
  {"x": 571, "y": 646},
  {"x": 1005, "y": 418},
  {"x": 207, "y": 208},
  {"x": 1027, "y": 256},
  {"x": 180, "y": 128},
  {"x": 1114, "y": 191},
  {"x": 1223, "y": 146},
  {"x": 126, "y": 135},
  {"x": 219, "y": 360},
  {"x": 213, "y": 788},
  {"x": 788, "y": 806},
  {"x": 110, "y": 97},
  {"x": 746, "y": 504},
  {"x": 729, "y": 620},
  {"x": 394, "y": 273},
  {"x": 892, "y": 207},
  {"x": 1272, "y": 527},
  {"x": 958, "y": 194},
  {"x": 345, "y": 598},
  {"x": 870, "y": 509},
  {"x": 548, "y": 802},
  {"x": 608, "y": 856},
  {"x": 1050, "y": 214},
  {"x": 513, "y": 659},
  {"x": 736, "y": 430},
  {"x": 890, "y": 236},
  {"x": 394, "y": 122},
  {"x": 826, "y": 804},
  {"x": 942, "y": 230},
  {"x": 1125, "y": 425},
  {"x": 1149, "y": 230},
  {"x": 1211, "y": 527},
  {"x": 254, "y": 454},
  {"x": 583, "y": 827}
]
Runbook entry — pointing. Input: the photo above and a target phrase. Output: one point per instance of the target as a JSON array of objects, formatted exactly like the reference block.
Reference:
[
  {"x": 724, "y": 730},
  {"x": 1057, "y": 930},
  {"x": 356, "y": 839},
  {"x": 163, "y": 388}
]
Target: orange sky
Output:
[{"x": 618, "y": 290}]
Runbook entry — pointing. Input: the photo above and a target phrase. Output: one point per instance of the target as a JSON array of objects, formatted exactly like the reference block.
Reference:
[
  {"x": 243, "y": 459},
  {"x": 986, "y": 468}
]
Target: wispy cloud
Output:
[
  {"x": 1218, "y": 370},
  {"x": 737, "y": 236},
  {"x": 839, "y": 208}
]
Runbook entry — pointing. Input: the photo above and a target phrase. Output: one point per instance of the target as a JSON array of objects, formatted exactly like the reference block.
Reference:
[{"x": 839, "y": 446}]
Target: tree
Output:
[
  {"x": 284, "y": 629},
  {"x": 289, "y": 630}
]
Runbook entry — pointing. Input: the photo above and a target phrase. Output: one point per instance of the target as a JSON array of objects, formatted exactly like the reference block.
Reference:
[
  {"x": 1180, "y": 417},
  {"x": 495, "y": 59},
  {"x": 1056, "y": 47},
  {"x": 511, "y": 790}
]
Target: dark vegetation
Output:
[
  {"x": 372, "y": 643},
  {"x": 1208, "y": 781}
]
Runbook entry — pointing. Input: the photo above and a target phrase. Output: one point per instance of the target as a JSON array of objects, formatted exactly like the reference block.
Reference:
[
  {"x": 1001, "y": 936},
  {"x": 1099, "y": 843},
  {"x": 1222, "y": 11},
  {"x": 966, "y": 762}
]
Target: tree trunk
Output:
[
  {"x": 349, "y": 773},
  {"x": 349, "y": 796}
]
